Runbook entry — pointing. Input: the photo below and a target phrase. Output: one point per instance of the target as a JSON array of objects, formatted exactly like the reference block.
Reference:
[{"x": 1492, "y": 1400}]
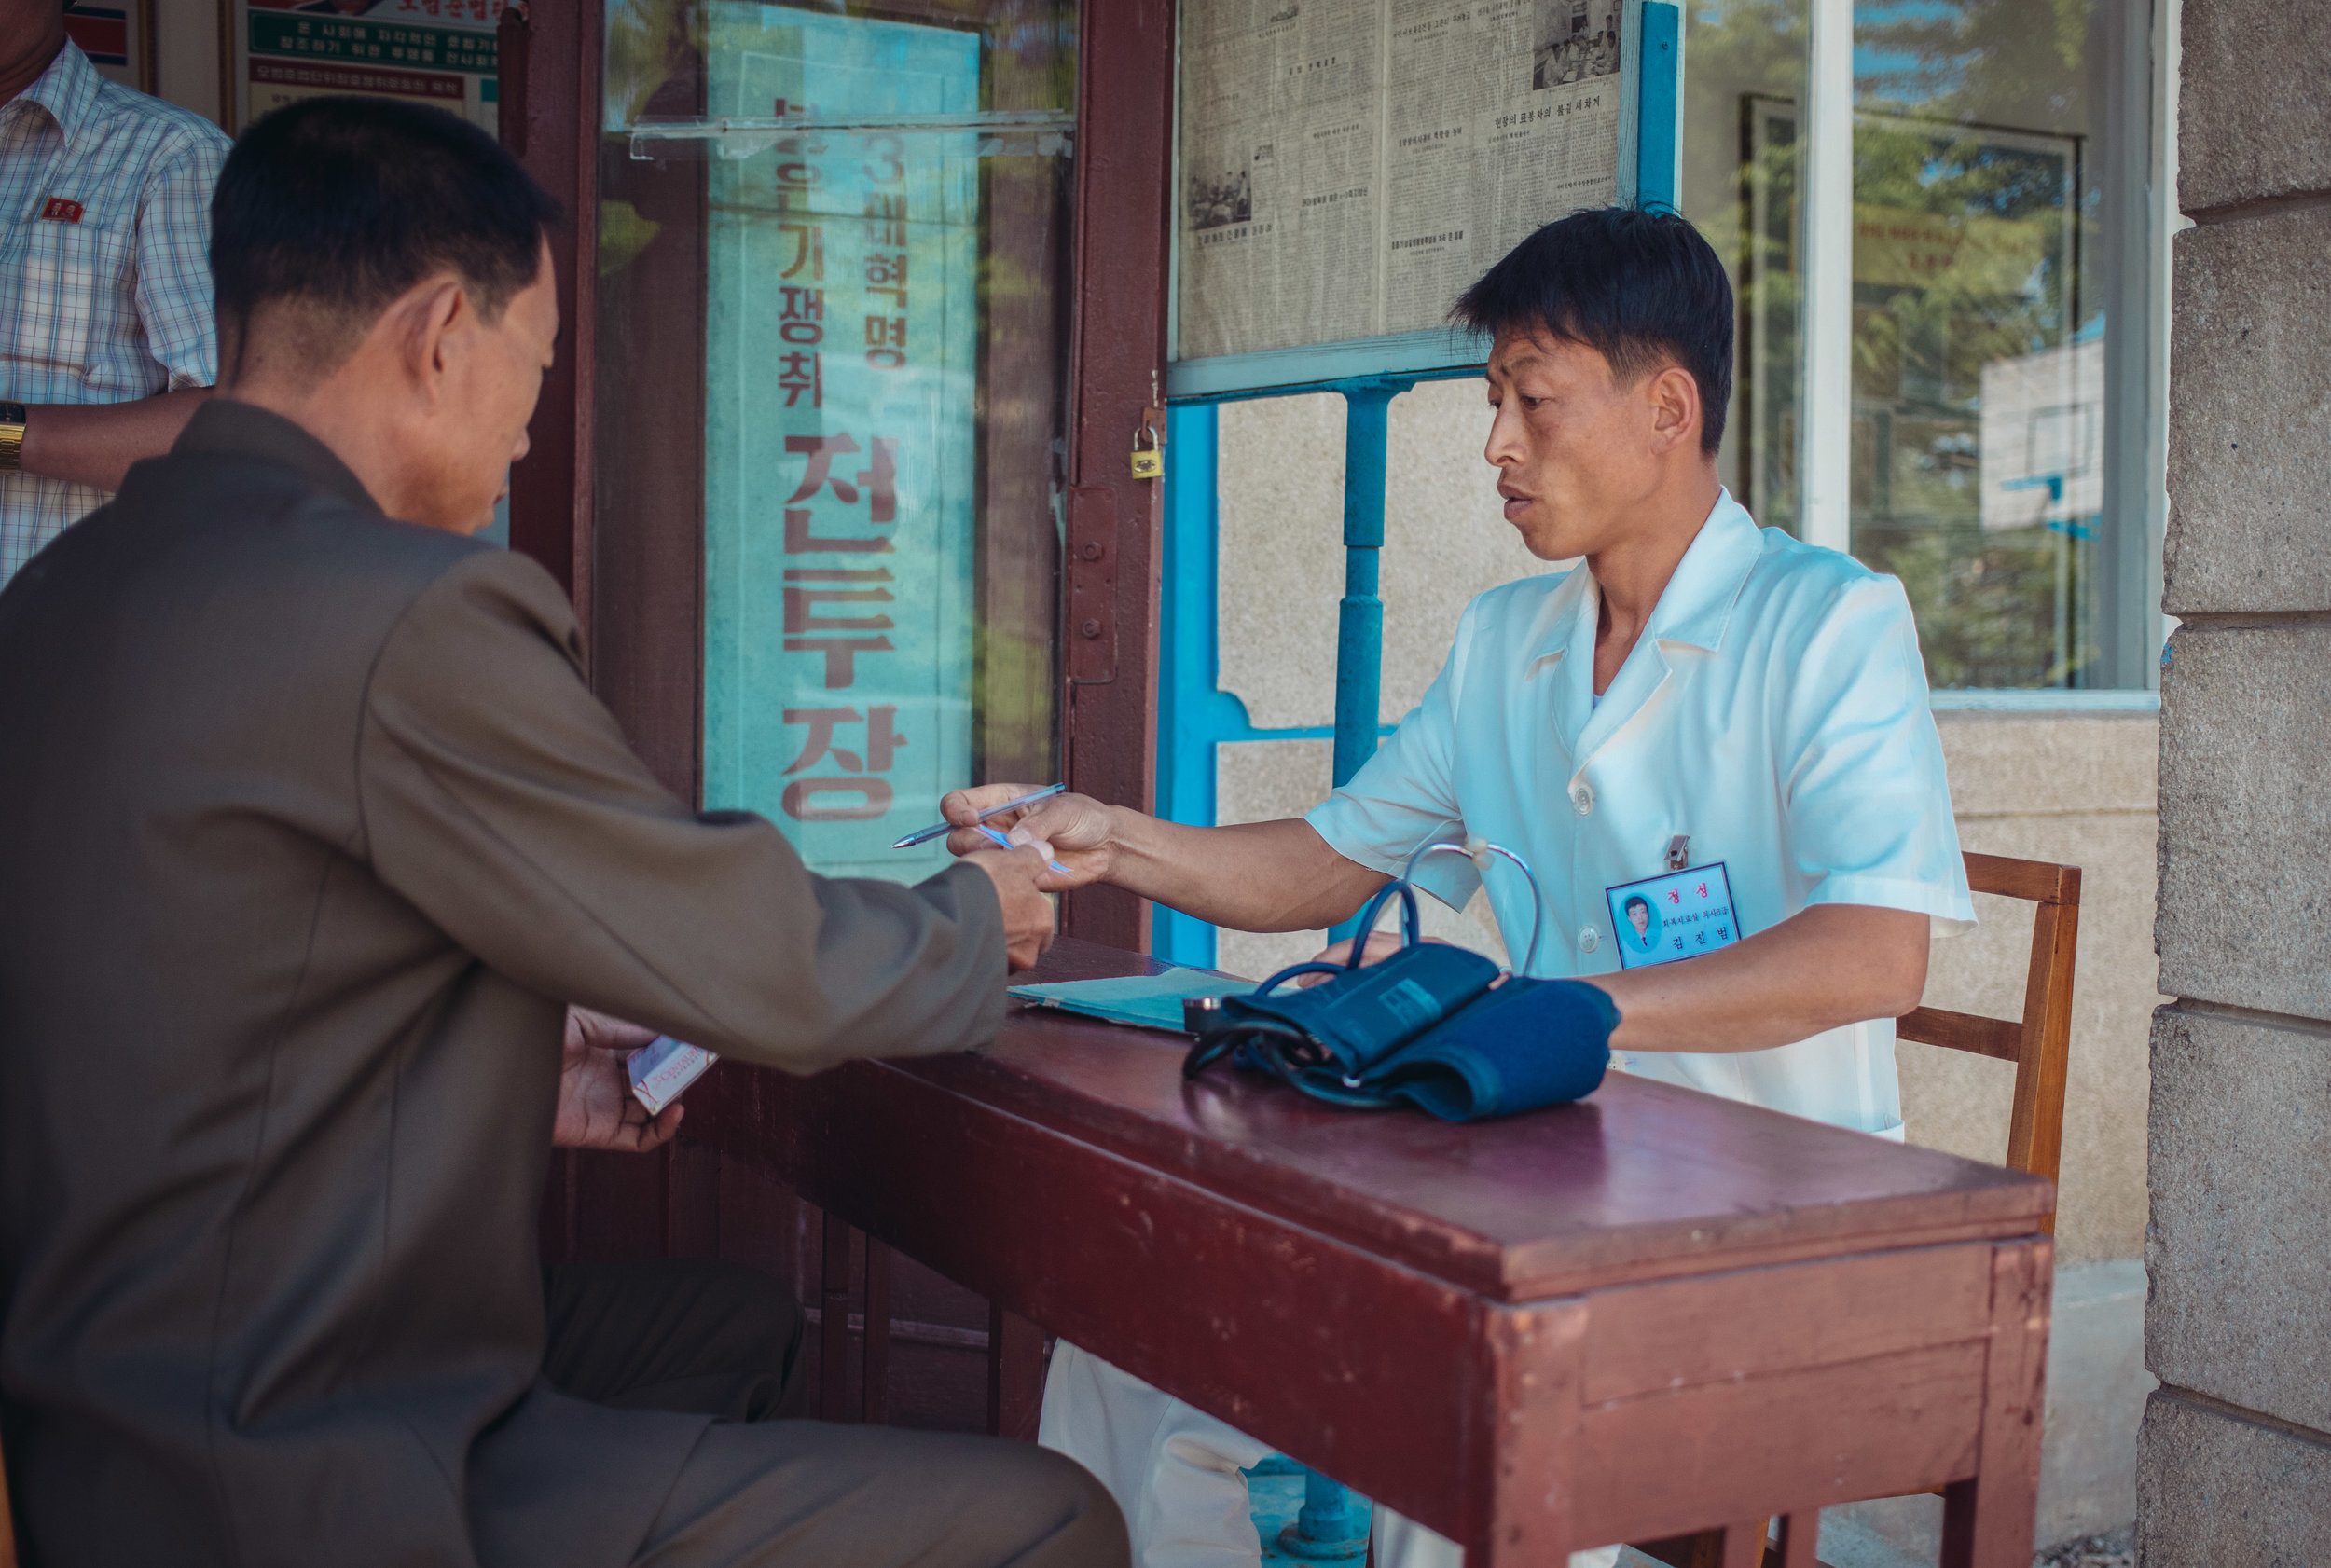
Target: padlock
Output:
[{"x": 1149, "y": 462}]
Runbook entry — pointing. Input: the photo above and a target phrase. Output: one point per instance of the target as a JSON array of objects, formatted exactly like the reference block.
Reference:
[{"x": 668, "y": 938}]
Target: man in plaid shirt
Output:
[{"x": 104, "y": 277}]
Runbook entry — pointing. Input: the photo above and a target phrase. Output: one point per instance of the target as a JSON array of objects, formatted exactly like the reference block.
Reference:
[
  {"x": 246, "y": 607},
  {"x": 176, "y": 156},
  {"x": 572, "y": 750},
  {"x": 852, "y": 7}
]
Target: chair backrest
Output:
[{"x": 2040, "y": 1043}]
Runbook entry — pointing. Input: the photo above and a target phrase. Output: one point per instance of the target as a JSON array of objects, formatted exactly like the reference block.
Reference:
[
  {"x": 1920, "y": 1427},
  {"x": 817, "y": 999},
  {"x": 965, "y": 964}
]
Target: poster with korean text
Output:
[
  {"x": 440, "y": 52},
  {"x": 841, "y": 359}
]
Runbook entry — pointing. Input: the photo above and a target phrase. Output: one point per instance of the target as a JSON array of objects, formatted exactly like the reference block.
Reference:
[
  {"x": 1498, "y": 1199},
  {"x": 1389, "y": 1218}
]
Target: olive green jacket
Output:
[{"x": 310, "y": 828}]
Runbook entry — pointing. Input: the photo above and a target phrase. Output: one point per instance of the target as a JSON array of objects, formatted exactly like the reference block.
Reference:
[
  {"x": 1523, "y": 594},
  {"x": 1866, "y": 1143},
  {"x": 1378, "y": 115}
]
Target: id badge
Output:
[{"x": 1680, "y": 915}]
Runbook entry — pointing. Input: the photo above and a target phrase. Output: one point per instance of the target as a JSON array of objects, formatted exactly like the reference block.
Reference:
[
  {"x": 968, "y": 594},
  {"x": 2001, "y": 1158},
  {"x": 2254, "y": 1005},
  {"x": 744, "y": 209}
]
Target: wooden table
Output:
[{"x": 1647, "y": 1313}]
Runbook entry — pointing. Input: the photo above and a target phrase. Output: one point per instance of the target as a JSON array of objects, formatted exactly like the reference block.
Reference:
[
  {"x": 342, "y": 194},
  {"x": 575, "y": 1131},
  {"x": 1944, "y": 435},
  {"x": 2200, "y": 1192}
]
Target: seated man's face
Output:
[{"x": 1578, "y": 453}]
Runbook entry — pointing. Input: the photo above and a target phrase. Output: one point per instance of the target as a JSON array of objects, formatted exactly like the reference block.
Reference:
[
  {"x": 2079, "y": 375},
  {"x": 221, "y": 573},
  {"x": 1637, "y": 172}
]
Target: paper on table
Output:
[{"x": 1148, "y": 1001}]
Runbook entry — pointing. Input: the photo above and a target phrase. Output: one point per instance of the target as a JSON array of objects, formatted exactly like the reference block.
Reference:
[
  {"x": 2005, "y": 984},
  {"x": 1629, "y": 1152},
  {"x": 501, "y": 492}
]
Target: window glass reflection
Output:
[
  {"x": 2000, "y": 275},
  {"x": 1980, "y": 461}
]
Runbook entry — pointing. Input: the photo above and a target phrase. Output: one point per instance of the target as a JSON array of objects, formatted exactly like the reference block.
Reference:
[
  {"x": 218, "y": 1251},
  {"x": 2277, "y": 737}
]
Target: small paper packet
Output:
[{"x": 662, "y": 1069}]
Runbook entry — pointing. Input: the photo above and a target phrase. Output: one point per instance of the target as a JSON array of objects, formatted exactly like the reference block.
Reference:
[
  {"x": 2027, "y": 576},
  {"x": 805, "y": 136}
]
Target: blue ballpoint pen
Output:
[{"x": 924, "y": 835}]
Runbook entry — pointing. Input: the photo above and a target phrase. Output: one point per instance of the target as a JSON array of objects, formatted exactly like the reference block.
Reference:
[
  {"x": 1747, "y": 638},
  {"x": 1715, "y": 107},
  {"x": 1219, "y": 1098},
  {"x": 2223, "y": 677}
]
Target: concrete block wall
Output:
[{"x": 2235, "y": 1453}]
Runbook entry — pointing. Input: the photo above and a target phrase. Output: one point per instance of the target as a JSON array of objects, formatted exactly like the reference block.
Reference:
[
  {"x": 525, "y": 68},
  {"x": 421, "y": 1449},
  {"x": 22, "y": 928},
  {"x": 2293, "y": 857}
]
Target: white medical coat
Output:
[{"x": 1774, "y": 709}]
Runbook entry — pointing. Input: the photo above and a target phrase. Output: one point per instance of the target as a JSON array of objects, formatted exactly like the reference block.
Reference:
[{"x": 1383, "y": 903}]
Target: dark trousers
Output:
[{"x": 765, "y": 1488}]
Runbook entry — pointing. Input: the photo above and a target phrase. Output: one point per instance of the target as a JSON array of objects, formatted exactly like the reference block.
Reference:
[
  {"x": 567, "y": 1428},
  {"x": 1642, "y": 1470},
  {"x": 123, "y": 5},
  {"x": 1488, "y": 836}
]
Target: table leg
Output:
[
  {"x": 1987, "y": 1521},
  {"x": 1528, "y": 1431},
  {"x": 1016, "y": 1374},
  {"x": 878, "y": 1374},
  {"x": 1744, "y": 1544},
  {"x": 834, "y": 1322},
  {"x": 1800, "y": 1534}
]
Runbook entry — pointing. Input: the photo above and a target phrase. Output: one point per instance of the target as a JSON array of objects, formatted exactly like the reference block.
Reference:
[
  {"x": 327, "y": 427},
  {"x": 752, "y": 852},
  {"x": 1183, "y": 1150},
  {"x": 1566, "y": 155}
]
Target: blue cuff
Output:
[{"x": 1528, "y": 1043}]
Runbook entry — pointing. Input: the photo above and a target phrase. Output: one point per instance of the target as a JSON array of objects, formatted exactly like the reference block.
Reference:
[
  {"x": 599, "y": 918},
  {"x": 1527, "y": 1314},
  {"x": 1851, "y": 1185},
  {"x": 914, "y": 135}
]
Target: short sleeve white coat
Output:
[{"x": 1774, "y": 710}]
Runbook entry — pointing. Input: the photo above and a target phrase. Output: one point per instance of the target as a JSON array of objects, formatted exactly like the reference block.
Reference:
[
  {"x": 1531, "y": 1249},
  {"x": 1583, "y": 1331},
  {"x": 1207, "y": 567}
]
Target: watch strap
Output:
[{"x": 11, "y": 437}]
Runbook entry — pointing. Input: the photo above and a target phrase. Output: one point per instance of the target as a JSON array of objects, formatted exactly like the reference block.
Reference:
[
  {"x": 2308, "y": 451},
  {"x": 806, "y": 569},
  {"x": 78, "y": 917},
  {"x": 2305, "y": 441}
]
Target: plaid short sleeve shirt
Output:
[{"x": 104, "y": 264}]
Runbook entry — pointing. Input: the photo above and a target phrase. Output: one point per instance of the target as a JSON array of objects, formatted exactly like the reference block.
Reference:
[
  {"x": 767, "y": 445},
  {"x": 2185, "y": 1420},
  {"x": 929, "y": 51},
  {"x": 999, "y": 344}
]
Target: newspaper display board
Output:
[{"x": 1349, "y": 167}]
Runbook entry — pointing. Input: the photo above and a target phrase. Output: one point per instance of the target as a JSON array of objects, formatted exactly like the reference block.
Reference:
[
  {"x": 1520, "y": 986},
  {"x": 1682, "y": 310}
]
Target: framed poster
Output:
[
  {"x": 1346, "y": 168},
  {"x": 437, "y": 51},
  {"x": 117, "y": 35}
]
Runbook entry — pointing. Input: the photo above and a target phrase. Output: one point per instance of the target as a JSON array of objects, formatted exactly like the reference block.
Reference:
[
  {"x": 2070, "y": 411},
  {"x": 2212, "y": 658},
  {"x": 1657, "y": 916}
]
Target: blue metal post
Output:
[
  {"x": 1359, "y": 617},
  {"x": 1330, "y": 1525},
  {"x": 1661, "y": 83},
  {"x": 1188, "y": 657}
]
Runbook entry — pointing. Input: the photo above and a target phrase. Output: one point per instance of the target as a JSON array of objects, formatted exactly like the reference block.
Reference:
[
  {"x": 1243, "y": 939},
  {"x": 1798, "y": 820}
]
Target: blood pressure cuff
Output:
[
  {"x": 1426, "y": 1029},
  {"x": 1526, "y": 1044}
]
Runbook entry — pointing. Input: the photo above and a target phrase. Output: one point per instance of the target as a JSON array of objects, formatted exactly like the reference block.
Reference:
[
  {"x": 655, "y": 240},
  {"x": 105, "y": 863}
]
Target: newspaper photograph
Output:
[{"x": 1349, "y": 166}]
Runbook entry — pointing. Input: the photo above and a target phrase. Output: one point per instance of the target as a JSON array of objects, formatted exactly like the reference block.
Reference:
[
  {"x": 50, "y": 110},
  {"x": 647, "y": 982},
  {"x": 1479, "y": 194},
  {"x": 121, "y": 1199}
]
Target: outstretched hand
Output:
[
  {"x": 1074, "y": 830},
  {"x": 597, "y": 1108}
]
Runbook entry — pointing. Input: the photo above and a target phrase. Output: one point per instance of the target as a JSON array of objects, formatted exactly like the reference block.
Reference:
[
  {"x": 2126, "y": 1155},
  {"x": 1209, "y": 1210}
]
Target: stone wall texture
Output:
[
  {"x": 2214, "y": 1487},
  {"x": 2235, "y": 1457},
  {"x": 2250, "y": 415},
  {"x": 2245, "y": 902},
  {"x": 2250, "y": 116},
  {"x": 2239, "y": 1244}
]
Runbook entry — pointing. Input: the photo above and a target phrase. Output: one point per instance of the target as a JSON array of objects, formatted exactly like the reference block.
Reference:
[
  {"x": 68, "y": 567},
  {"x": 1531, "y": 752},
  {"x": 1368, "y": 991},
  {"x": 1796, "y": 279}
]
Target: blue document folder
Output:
[{"x": 1148, "y": 1001}]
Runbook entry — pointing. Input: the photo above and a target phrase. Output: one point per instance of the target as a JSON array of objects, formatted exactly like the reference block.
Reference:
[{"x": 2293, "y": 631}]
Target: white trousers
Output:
[{"x": 1175, "y": 1472}]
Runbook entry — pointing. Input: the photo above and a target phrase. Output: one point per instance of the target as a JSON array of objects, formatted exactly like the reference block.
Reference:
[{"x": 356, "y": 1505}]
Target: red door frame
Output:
[
  {"x": 549, "y": 86},
  {"x": 1124, "y": 162}
]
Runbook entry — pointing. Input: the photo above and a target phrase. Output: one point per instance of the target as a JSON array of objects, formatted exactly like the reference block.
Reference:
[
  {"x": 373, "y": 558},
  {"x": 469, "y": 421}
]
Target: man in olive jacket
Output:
[{"x": 309, "y": 831}]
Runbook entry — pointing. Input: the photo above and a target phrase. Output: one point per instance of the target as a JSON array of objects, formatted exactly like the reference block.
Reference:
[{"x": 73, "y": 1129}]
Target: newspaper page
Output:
[{"x": 1349, "y": 166}]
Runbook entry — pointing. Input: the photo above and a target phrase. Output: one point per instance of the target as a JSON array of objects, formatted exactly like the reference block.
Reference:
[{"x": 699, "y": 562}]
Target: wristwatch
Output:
[{"x": 11, "y": 437}]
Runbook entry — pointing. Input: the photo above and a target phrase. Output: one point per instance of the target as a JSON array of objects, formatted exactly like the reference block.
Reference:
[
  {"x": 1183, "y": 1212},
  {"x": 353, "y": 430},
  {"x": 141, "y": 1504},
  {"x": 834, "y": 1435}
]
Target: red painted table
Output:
[{"x": 1647, "y": 1313}]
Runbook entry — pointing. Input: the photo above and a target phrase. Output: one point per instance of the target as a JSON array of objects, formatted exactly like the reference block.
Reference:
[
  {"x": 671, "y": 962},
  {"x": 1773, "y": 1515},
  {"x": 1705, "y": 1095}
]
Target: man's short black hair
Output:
[
  {"x": 340, "y": 205},
  {"x": 1636, "y": 901},
  {"x": 1642, "y": 289}
]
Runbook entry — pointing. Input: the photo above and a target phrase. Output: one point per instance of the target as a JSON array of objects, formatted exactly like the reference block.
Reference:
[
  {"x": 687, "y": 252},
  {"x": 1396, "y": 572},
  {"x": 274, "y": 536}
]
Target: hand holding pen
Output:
[
  {"x": 1020, "y": 892},
  {"x": 1073, "y": 826},
  {"x": 978, "y": 823}
]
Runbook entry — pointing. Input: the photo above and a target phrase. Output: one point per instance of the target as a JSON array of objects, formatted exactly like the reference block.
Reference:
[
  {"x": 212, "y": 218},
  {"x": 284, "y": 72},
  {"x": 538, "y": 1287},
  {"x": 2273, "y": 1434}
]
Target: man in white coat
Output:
[{"x": 1705, "y": 717}]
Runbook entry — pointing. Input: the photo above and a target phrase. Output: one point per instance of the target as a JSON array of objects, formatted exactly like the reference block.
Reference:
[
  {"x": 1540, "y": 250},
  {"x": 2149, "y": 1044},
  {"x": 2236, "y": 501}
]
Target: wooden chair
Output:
[{"x": 2039, "y": 1044}]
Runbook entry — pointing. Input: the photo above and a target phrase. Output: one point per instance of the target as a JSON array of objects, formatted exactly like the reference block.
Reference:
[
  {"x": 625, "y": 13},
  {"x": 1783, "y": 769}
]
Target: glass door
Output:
[{"x": 832, "y": 353}]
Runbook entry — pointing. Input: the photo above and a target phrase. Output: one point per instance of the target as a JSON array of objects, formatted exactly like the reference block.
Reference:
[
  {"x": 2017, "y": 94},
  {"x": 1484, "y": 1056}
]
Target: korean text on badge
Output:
[{"x": 1681, "y": 915}]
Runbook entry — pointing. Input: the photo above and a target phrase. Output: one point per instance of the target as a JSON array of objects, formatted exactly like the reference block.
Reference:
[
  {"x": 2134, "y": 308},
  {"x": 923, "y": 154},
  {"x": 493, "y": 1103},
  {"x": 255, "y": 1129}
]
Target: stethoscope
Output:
[{"x": 1479, "y": 850}]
